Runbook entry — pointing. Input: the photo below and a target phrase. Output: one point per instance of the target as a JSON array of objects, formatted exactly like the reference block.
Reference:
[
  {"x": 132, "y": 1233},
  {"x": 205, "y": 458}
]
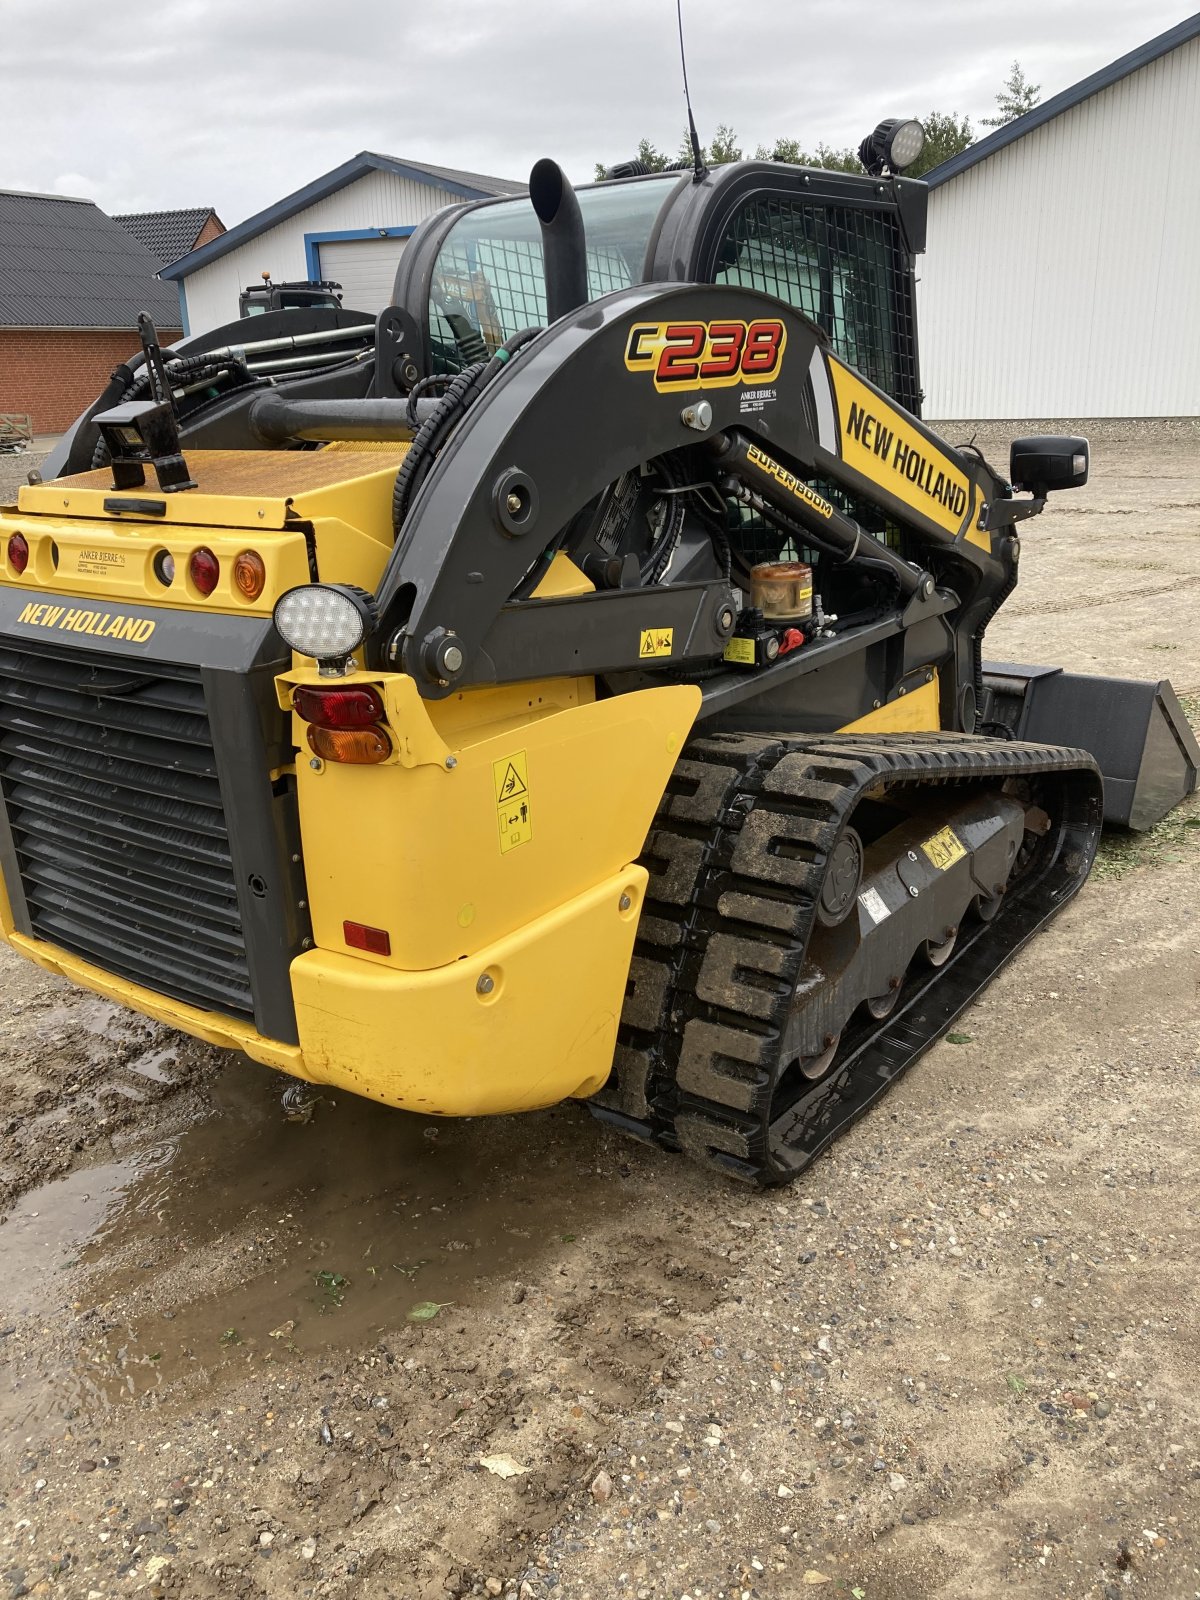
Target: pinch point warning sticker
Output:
[
  {"x": 944, "y": 849},
  {"x": 514, "y": 812}
]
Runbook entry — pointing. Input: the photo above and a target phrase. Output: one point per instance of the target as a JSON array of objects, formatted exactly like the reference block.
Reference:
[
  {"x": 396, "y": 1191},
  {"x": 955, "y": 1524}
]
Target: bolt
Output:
[
  {"x": 295, "y": 859},
  {"x": 875, "y": 704},
  {"x": 303, "y": 904},
  {"x": 486, "y": 984},
  {"x": 625, "y": 902},
  {"x": 513, "y": 503},
  {"x": 726, "y": 620},
  {"x": 912, "y": 892},
  {"x": 316, "y": 763},
  {"x": 452, "y": 658},
  {"x": 451, "y": 763},
  {"x": 306, "y": 944},
  {"x": 912, "y": 855},
  {"x": 904, "y": 691},
  {"x": 697, "y": 416}
]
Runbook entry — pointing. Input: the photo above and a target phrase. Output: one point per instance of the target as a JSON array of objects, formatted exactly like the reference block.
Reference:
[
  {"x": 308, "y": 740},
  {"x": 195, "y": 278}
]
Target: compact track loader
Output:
[{"x": 568, "y": 684}]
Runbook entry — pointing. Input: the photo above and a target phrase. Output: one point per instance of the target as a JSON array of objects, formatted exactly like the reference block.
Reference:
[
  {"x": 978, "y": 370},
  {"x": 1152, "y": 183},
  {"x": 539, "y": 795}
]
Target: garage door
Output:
[{"x": 365, "y": 268}]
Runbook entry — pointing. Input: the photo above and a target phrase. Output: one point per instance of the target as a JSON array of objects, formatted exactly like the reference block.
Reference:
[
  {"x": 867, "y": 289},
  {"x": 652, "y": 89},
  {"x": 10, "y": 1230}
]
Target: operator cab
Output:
[{"x": 837, "y": 247}]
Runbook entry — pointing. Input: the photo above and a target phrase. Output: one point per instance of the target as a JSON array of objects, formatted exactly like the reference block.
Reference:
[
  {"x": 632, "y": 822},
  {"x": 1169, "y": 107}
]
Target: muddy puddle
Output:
[{"x": 249, "y": 1238}]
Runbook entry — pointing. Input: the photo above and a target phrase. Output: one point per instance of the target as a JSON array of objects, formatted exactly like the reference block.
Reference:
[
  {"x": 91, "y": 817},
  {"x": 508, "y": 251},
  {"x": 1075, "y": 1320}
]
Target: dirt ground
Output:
[{"x": 368, "y": 1355}]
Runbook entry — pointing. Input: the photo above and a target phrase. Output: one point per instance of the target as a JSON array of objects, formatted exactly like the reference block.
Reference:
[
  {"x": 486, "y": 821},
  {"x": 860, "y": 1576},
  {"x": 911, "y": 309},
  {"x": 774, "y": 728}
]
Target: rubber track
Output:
[{"x": 736, "y": 857}]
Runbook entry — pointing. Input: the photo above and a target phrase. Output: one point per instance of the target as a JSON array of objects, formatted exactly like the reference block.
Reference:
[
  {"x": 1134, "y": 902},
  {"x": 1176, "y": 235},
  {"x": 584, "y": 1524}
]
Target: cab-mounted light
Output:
[
  {"x": 895, "y": 145},
  {"x": 327, "y": 621}
]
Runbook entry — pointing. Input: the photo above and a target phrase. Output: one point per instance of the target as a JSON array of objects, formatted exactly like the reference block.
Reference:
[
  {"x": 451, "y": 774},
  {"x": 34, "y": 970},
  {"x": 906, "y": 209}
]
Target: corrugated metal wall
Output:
[
  {"x": 379, "y": 200},
  {"x": 1062, "y": 275}
]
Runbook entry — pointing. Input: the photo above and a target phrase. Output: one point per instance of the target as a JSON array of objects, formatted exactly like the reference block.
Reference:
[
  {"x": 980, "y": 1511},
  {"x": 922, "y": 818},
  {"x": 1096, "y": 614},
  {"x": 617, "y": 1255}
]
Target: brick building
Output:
[{"x": 72, "y": 282}]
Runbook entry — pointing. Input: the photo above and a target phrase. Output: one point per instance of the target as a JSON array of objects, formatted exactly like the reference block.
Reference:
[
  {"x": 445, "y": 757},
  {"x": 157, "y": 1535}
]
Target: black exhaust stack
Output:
[{"x": 563, "y": 243}]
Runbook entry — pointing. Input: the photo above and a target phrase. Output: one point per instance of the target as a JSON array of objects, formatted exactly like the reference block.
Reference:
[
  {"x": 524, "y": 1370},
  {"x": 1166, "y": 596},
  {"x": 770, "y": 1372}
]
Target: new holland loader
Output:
[{"x": 569, "y": 683}]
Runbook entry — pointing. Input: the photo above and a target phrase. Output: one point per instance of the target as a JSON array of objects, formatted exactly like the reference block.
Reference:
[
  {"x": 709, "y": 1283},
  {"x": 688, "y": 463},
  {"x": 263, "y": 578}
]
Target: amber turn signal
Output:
[
  {"x": 359, "y": 747},
  {"x": 249, "y": 574}
]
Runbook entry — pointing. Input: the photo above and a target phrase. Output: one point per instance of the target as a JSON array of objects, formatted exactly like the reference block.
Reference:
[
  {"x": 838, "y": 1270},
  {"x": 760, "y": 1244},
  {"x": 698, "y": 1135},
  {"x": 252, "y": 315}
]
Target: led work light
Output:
[
  {"x": 327, "y": 621},
  {"x": 895, "y": 144}
]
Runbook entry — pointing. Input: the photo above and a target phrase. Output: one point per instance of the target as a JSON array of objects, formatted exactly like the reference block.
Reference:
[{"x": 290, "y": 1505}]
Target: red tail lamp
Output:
[
  {"x": 338, "y": 708},
  {"x": 18, "y": 552},
  {"x": 360, "y": 937},
  {"x": 204, "y": 569},
  {"x": 249, "y": 574},
  {"x": 357, "y": 747}
]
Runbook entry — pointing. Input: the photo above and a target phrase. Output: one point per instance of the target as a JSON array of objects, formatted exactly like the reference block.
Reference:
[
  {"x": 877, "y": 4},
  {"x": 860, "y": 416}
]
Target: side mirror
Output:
[{"x": 1048, "y": 462}]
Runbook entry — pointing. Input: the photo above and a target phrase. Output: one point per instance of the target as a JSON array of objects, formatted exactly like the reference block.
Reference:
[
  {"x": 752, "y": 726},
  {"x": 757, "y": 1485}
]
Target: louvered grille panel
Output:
[{"x": 110, "y": 784}]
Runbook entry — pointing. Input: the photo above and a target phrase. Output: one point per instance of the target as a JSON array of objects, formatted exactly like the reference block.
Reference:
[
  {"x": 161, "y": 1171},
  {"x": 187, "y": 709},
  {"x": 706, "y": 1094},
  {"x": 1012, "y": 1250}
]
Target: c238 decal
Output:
[{"x": 706, "y": 355}]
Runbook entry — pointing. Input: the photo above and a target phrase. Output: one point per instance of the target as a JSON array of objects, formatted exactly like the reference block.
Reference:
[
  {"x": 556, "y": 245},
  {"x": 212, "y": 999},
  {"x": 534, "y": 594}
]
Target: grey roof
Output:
[
  {"x": 64, "y": 264},
  {"x": 1181, "y": 33},
  {"x": 467, "y": 185},
  {"x": 167, "y": 234}
]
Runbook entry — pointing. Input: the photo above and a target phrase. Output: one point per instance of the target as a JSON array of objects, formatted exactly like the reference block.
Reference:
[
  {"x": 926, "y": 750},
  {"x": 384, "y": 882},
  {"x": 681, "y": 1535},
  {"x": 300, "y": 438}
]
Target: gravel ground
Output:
[{"x": 959, "y": 1356}]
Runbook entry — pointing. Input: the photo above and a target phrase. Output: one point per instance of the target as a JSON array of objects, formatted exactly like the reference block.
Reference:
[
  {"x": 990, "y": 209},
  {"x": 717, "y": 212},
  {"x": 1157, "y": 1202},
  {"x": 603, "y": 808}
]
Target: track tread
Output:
[{"x": 736, "y": 859}]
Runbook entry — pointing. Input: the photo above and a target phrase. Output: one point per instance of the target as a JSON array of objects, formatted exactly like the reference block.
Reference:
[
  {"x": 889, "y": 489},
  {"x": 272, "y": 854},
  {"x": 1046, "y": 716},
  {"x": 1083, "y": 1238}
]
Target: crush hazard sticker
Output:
[
  {"x": 514, "y": 810},
  {"x": 944, "y": 849},
  {"x": 656, "y": 642},
  {"x": 706, "y": 355}
]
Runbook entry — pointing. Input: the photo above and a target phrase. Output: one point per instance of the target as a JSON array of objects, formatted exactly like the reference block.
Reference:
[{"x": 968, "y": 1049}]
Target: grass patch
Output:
[{"x": 1176, "y": 838}]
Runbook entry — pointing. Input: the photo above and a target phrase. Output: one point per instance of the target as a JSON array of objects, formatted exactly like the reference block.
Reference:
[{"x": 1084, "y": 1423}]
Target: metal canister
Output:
[{"x": 782, "y": 590}]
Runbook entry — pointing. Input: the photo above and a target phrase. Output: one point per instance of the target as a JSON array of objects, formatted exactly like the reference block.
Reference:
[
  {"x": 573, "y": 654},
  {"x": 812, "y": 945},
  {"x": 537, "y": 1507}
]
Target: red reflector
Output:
[
  {"x": 204, "y": 569},
  {"x": 18, "y": 552},
  {"x": 359, "y": 937},
  {"x": 338, "y": 708},
  {"x": 359, "y": 747}
]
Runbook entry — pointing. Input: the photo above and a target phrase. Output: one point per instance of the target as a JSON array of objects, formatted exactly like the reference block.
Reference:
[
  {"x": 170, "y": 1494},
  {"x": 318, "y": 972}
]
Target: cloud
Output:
[{"x": 213, "y": 102}]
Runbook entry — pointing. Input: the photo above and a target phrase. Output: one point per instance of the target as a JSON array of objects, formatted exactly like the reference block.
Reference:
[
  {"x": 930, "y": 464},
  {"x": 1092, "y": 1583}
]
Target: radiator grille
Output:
[{"x": 110, "y": 784}]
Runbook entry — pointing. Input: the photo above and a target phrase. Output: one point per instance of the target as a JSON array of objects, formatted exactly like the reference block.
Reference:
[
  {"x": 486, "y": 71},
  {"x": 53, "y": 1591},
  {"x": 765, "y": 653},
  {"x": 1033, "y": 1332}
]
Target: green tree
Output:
[
  {"x": 823, "y": 156},
  {"x": 946, "y": 134},
  {"x": 1014, "y": 100},
  {"x": 656, "y": 160},
  {"x": 725, "y": 146}
]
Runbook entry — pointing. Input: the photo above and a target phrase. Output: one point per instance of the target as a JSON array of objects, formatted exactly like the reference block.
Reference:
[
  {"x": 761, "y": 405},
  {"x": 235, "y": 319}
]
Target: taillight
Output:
[
  {"x": 361, "y": 937},
  {"x": 18, "y": 552},
  {"x": 204, "y": 569},
  {"x": 249, "y": 574},
  {"x": 359, "y": 747},
  {"x": 338, "y": 708}
]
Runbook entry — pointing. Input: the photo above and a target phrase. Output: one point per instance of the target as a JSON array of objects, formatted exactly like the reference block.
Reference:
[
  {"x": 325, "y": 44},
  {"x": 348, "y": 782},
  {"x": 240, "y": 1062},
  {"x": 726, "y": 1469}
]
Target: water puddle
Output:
[{"x": 251, "y": 1238}]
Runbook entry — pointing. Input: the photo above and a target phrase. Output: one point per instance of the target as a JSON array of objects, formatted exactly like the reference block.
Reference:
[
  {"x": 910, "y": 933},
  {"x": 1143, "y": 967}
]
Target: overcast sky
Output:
[{"x": 234, "y": 103}]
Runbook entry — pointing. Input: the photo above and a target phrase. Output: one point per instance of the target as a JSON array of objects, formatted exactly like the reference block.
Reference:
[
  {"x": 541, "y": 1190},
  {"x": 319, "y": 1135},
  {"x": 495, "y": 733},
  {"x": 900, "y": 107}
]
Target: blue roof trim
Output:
[
  {"x": 357, "y": 167},
  {"x": 1181, "y": 33}
]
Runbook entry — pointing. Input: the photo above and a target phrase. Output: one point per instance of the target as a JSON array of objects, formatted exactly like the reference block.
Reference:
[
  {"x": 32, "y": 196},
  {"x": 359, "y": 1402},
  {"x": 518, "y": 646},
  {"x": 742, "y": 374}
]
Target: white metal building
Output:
[
  {"x": 349, "y": 226},
  {"x": 1062, "y": 270}
]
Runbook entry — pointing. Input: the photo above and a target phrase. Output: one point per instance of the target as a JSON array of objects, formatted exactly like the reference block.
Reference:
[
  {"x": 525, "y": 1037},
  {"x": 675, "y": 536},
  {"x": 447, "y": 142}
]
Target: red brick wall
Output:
[
  {"x": 212, "y": 229},
  {"x": 53, "y": 376}
]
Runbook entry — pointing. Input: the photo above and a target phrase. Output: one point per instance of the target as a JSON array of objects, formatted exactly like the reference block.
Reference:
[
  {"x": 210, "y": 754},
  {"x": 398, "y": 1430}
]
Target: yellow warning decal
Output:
[
  {"x": 944, "y": 849},
  {"x": 511, "y": 777},
  {"x": 741, "y": 650},
  {"x": 514, "y": 813},
  {"x": 656, "y": 642}
]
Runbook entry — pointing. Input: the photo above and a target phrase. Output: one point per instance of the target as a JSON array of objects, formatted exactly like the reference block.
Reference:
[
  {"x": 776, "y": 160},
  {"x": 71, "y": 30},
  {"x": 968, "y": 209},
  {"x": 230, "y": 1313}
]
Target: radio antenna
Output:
[{"x": 699, "y": 169}]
